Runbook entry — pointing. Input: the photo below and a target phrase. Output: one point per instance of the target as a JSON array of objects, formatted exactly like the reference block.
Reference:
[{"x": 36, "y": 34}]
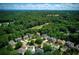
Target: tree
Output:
[
  {"x": 31, "y": 42},
  {"x": 48, "y": 53},
  {"x": 18, "y": 45},
  {"x": 4, "y": 51},
  {"x": 28, "y": 52},
  {"x": 39, "y": 51},
  {"x": 72, "y": 29},
  {"x": 11, "y": 37},
  {"x": 57, "y": 52},
  {"x": 10, "y": 48},
  {"x": 39, "y": 41},
  {"x": 3, "y": 41},
  {"x": 47, "y": 47}
]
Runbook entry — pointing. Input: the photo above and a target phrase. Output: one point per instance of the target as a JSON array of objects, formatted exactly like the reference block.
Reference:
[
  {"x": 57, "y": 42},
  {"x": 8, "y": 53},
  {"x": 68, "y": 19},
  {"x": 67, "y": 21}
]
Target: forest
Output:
[{"x": 39, "y": 32}]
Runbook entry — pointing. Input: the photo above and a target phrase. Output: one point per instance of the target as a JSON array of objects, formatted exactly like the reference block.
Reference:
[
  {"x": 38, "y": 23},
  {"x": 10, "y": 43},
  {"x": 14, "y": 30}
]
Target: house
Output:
[
  {"x": 18, "y": 39},
  {"x": 39, "y": 51},
  {"x": 44, "y": 36},
  {"x": 32, "y": 49},
  {"x": 61, "y": 42},
  {"x": 51, "y": 39},
  {"x": 49, "y": 15},
  {"x": 53, "y": 15},
  {"x": 22, "y": 50},
  {"x": 30, "y": 35},
  {"x": 64, "y": 48},
  {"x": 0, "y": 24},
  {"x": 25, "y": 37},
  {"x": 77, "y": 31},
  {"x": 12, "y": 43},
  {"x": 56, "y": 15},
  {"x": 77, "y": 47},
  {"x": 6, "y": 23},
  {"x": 56, "y": 46},
  {"x": 38, "y": 34},
  {"x": 70, "y": 44}
]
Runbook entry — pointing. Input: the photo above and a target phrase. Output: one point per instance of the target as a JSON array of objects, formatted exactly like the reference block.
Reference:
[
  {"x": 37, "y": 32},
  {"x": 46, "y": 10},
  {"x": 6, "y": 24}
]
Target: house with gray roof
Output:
[
  {"x": 25, "y": 37},
  {"x": 77, "y": 47},
  {"x": 18, "y": 39},
  {"x": 21, "y": 50},
  {"x": 70, "y": 44},
  {"x": 39, "y": 51},
  {"x": 45, "y": 36},
  {"x": 30, "y": 35}
]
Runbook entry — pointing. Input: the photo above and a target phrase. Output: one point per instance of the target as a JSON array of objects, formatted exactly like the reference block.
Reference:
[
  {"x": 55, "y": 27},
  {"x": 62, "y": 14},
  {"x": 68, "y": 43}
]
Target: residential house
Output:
[
  {"x": 56, "y": 46},
  {"x": 12, "y": 43},
  {"x": 53, "y": 39},
  {"x": 77, "y": 47},
  {"x": 70, "y": 44},
  {"x": 64, "y": 48},
  {"x": 22, "y": 50},
  {"x": 39, "y": 51},
  {"x": 25, "y": 37},
  {"x": 38, "y": 34},
  {"x": 61, "y": 42},
  {"x": 44, "y": 36},
  {"x": 30, "y": 36},
  {"x": 0, "y": 24},
  {"x": 18, "y": 39},
  {"x": 32, "y": 49}
]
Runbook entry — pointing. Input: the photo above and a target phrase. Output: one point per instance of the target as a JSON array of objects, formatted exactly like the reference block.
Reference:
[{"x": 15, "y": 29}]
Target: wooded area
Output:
[{"x": 61, "y": 25}]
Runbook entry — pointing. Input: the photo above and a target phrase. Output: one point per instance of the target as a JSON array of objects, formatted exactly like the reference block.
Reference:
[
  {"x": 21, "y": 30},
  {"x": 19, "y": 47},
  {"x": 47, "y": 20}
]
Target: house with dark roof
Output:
[{"x": 18, "y": 39}]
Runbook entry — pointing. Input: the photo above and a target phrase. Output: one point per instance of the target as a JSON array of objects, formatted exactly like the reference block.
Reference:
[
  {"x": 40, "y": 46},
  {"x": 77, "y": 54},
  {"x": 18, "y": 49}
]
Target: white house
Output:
[
  {"x": 64, "y": 48},
  {"x": 12, "y": 43},
  {"x": 32, "y": 49}
]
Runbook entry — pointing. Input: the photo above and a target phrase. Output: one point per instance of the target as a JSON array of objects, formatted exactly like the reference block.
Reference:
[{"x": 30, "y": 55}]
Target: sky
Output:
[{"x": 39, "y": 6}]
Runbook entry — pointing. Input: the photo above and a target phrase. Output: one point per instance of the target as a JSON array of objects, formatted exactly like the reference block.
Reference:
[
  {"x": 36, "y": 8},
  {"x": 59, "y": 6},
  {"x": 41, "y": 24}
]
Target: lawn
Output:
[{"x": 39, "y": 27}]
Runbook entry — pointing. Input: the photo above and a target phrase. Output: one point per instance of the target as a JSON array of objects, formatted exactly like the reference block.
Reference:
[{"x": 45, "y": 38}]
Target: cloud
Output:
[{"x": 39, "y": 6}]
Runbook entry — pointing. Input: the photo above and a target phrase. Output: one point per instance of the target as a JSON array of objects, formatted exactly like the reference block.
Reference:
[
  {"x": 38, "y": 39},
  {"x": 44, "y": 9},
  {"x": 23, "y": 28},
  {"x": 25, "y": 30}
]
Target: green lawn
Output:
[{"x": 39, "y": 27}]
